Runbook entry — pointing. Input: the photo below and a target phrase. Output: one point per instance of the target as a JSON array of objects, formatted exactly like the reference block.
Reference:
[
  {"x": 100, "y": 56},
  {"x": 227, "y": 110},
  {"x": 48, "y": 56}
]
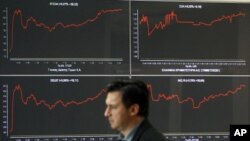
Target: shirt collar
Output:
[{"x": 131, "y": 133}]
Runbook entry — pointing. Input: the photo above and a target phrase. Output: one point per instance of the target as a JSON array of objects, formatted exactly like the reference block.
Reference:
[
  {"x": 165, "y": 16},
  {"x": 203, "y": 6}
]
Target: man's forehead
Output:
[{"x": 114, "y": 97}]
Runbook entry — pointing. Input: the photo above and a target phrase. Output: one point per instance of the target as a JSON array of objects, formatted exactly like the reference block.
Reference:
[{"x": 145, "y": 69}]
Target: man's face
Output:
[{"x": 116, "y": 113}]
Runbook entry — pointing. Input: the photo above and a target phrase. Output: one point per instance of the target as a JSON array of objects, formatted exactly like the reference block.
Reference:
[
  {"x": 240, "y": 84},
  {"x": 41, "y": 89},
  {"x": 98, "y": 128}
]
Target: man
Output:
[{"x": 127, "y": 110}]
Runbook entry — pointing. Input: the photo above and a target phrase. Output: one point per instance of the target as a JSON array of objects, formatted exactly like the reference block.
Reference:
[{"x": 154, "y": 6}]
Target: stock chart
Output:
[
  {"x": 57, "y": 58},
  {"x": 74, "y": 105},
  {"x": 210, "y": 36},
  {"x": 85, "y": 36}
]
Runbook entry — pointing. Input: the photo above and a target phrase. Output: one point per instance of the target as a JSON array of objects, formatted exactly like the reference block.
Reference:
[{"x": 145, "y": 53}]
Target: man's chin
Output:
[{"x": 113, "y": 127}]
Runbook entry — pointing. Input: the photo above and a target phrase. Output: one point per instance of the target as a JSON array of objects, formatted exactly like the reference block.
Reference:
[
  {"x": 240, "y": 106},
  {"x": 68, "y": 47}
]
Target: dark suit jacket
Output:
[{"x": 146, "y": 132}]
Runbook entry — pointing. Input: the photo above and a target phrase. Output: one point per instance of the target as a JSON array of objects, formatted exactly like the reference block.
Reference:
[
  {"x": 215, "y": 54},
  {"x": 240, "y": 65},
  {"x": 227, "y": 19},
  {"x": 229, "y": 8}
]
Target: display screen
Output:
[{"x": 57, "y": 58}]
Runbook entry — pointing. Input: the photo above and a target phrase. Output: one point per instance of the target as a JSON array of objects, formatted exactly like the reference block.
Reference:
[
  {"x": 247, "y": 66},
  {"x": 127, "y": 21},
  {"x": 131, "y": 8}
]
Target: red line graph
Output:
[
  {"x": 195, "y": 105},
  {"x": 26, "y": 22},
  {"x": 161, "y": 96},
  {"x": 172, "y": 18},
  {"x": 32, "y": 97}
]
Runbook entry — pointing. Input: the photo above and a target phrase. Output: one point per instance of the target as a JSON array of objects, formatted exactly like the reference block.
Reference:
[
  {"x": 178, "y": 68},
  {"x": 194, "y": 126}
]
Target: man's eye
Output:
[{"x": 113, "y": 107}]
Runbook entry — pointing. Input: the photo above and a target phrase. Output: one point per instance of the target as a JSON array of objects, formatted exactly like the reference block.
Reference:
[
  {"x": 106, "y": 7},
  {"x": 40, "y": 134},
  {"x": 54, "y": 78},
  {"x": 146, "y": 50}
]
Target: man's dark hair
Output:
[{"x": 133, "y": 92}]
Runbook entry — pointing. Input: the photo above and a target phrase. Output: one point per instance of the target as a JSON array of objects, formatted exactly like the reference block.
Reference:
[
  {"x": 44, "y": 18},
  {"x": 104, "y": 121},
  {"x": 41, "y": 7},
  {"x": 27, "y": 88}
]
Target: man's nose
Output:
[{"x": 107, "y": 112}]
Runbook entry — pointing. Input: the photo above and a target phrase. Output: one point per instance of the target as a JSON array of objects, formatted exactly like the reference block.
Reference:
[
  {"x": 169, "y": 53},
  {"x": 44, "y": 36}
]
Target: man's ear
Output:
[{"x": 134, "y": 109}]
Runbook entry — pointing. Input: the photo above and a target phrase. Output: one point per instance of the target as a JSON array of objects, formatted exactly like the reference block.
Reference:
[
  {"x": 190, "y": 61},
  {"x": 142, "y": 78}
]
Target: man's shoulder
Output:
[
  {"x": 153, "y": 134},
  {"x": 146, "y": 132}
]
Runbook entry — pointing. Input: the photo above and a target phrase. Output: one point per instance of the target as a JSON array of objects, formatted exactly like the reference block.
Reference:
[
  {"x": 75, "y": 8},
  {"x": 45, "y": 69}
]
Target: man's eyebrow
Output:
[{"x": 112, "y": 105}]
